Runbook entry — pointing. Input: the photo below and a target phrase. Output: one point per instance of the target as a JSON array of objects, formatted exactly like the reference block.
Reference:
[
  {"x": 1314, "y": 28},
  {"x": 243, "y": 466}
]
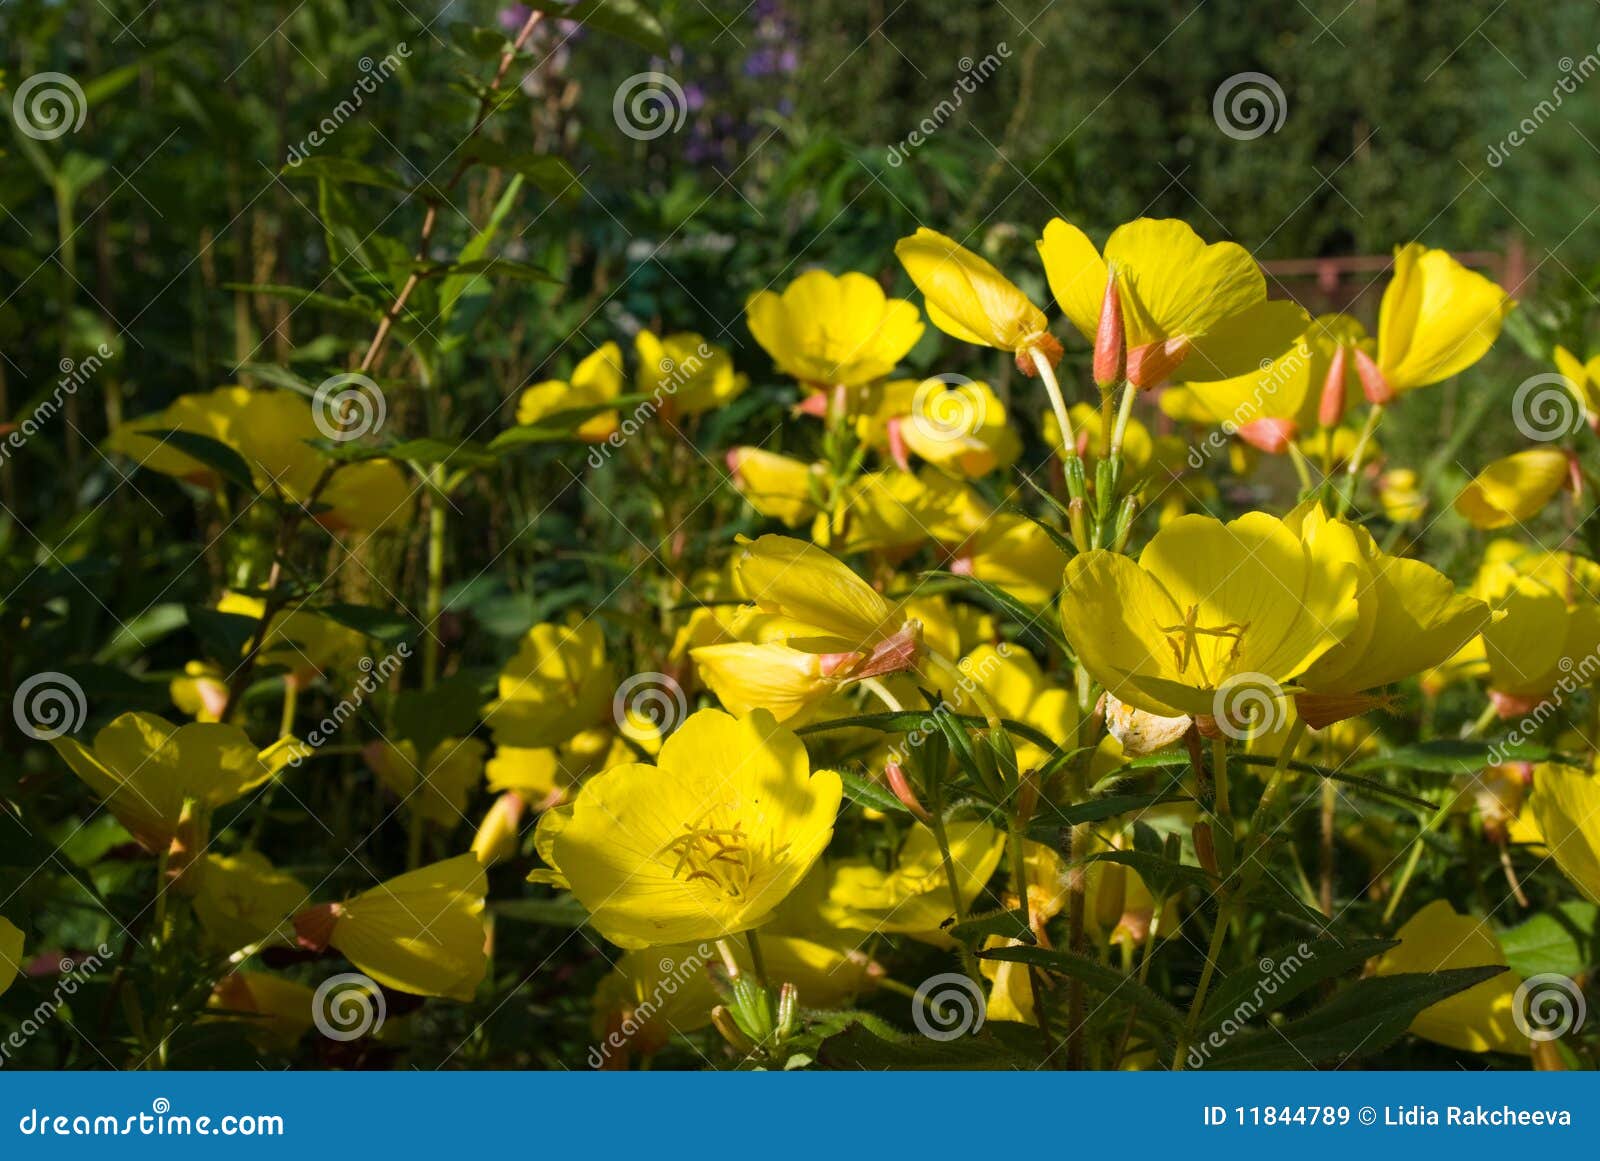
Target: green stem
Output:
[
  {"x": 438, "y": 517},
  {"x": 1347, "y": 493},
  {"x": 1052, "y": 388}
]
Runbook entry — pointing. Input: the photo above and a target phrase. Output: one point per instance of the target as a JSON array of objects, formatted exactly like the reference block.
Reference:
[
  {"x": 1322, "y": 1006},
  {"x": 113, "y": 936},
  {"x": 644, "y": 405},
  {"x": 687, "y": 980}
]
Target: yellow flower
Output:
[
  {"x": 1410, "y": 618},
  {"x": 557, "y": 685},
  {"x": 243, "y": 899},
  {"x": 596, "y": 381},
  {"x": 421, "y": 933},
  {"x": 828, "y": 331},
  {"x": 1566, "y": 805},
  {"x": 1309, "y": 383},
  {"x": 1513, "y": 489},
  {"x": 155, "y": 777},
  {"x": 499, "y": 835},
  {"x": 1583, "y": 380},
  {"x": 891, "y": 511},
  {"x": 299, "y": 640},
  {"x": 10, "y": 953},
  {"x": 438, "y": 787},
  {"x": 914, "y": 898},
  {"x": 777, "y": 486},
  {"x": 1207, "y": 604},
  {"x": 270, "y": 430},
  {"x": 202, "y": 691},
  {"x": 684, "y": 374},
  {"x": 819, "y": 626},
  {"x": 279, "y": 1011},
  {"x": 703, "y": 845},
  {"x": 1436, "y": 320},
  {"x": 1184, "y": 303},
  {"x": 968, "y": 299},
  {"x": 1479, "y": 1019},
  {"x": 960, "y": 428},
  {"x": 1403, "y": 500}
]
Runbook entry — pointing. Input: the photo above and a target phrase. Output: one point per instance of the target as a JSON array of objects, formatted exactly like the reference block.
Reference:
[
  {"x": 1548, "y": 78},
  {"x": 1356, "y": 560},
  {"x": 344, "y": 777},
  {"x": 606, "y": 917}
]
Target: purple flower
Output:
[{"x": 514, "y": 16}]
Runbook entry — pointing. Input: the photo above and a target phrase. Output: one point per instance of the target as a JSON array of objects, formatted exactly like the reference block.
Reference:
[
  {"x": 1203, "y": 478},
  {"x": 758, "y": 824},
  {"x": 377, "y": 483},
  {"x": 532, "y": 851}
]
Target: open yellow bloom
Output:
[
  {"x": 1436, "y": 320},
  {"x": 1514, "y": 488},
  {"x": 1206, "y": 605},
  {"x": 704, "y": 844},
  {"x": 548, "y": 775},
  {"x": 779, "y": 486},
  {"x": 968, "y": 299},
  {"x": 833, "y": 331},
  {"x": 156, "y": 777},
  {"x": 201, "y": 691},
  {"x": 1479, "y": 1019},
  {"x": 891, "y": 512},
  {"x": 1403, "y": 500},
  {"x": 960, "y": 428},
  {"x": 684, "y": 374},
  {"x": 1294, "y": 386},
  {"x": 1184, "y": 303},
  {"x": 421, "y": 933},
  {"x": 436, "y": 786},
  {"x": 596, "y": 381},
  {"x": 1566, "y": 805},
  {"x": 558, "y": 684},
  {"x": 303, "y": 642},
  {"x": 1583, "y": 380},
  {"x": 10, "y": 953},
  {"x": 280, "y": 1010},
  {"x": 814, "y": 626},
  {"x": 914, "y": 898},
  {"x": 1410, "y": 618},
  {"x": 269, "y": 429},
  {"x": 243, "y": 899}
]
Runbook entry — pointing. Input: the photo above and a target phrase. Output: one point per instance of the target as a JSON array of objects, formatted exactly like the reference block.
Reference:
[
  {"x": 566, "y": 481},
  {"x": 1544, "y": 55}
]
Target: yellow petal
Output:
[
  {"x": 422, "y": 932},
  {"x": 1076, "y": 273},
  {"x": 1566, "y": 804},
  {"x": 1174, "y": 285},
  {"x": 1513, "y": 489},
  {"x": 1437, "y": 318},
  {"x": 967, "y": 297}
]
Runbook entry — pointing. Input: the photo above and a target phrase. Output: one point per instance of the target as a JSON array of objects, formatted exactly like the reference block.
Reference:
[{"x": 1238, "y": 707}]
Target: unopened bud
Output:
[
  {"x": 894, "y": 774},
  {"x": 1150, "y": 366},
  {"x": 1205, "y": 849},
  {"x": 1046, "y": 346},
  {"x": 501, "y": 830},
  {"x": 1373, "y": 385},
  {"x": 1110, "y": 345},
  {"x": 1272, "y": 436},
  {"x": 1330, "y": 409}
]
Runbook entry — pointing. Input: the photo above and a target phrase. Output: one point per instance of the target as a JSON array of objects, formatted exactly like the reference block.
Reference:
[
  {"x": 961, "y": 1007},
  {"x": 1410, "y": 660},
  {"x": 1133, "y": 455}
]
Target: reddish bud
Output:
[
  {"x": 897, "y": 445},
  {"x": 1272, "y": 436},
  {"x": 895, "y": 775},
  {"x": 313, "y": 927},
  {"x": 1110, "y": 347},
  {"x": 1373, "y": 385},
  {"x": 1150, "y": 366},
  {"x": 815, "y": 404},
  {"x": 1331, "y": 408},
  {"x": 733, "y": 457}
]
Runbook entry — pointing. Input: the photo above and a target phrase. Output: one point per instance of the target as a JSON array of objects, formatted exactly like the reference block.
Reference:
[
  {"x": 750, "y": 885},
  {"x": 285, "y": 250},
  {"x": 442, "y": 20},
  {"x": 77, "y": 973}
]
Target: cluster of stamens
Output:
[{"x": 1185, "y": 640}]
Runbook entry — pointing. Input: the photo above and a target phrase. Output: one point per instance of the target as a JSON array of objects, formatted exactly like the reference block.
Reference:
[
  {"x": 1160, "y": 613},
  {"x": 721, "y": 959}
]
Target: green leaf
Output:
[
  {"x": 1007, "y": 924},
  {"x": 489, "y": 267},
  {"x": 923, "y": 721},
  {"x": 1100, "y": 809},
  {"x": 428, "y": 451},
  {"x": 222, "y": 635},
  {"x": 214, "y": 454},
  {"x": 1097, "y": 977},
  {"x": 551, "y": 174},
  {"x": 870, "y": 794},
  {"x": 349, "y": 307},
  {"x": 1449, "y": 756},
  {"x": 997, "y": 1045},
  {"x": 626, "y": 19},
  {"x": 1362, "y": 1019},
  {"x": 380, "y": 624},
  {"x": 1564, "y": 941},
  {"x": 562, "y": 911},
  {"x": 451, "y": 709},
  {"x": 344, "y": 170},
  {"x": 1282, "y": 973},
  {"x": 1162, "y": 875}
]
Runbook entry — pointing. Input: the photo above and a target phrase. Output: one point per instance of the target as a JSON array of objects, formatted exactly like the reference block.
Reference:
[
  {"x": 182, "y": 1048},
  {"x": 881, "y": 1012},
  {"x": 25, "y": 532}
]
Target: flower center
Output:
[
  {"x": 1185, "y": 640},
  {"x": 717, "y": 855}
]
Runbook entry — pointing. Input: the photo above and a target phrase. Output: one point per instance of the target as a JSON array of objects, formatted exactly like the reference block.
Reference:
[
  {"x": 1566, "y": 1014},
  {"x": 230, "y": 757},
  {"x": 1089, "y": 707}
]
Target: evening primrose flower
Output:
[
  {"x": 280, "y": 1011},
  {"x": 595, "y": 381},
  {"x": 829, "y": 331},
  {"x": 1206, "y": 604},
  {"x": 1480, "y": 1019},
  {"x": 1402, "y": 498},
  {"x": 558, "y": 684},
  {"x": 914, "y": 898},
  {"x": 299, "y": 640},
  {"x": 1566, "y": 805},
  {"x": 270, "y": 430},
  {"x": 161, "y": 780},
  {"x": 702, "y": 845},
  {"x": 435, "y": 787},
  {"x": 1437, "y": 319},
  {"x": 1183, "y": 303},
  {"x": 1410, "y": 618},
  {"x": 968, "y": 299},
  {"x": 959, "y": 427},
  {"x": 10, "y": 953},
  {"x": 421, "y": 933},
  {"x": 1309, "y": 384},
  {"x": 1583, "y": 380},
  {"x": 818, "y": 626},
  {"x": 775, "y": 485},
  {"x": 685, "y": 374},
  {"x": 891, "y": 512},
  {"x": 547, "y": 775},
  {"x": 201, "y": 691},
  {"x": 1514, "y": 488},
  {"x": 243, "y": 900}
]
